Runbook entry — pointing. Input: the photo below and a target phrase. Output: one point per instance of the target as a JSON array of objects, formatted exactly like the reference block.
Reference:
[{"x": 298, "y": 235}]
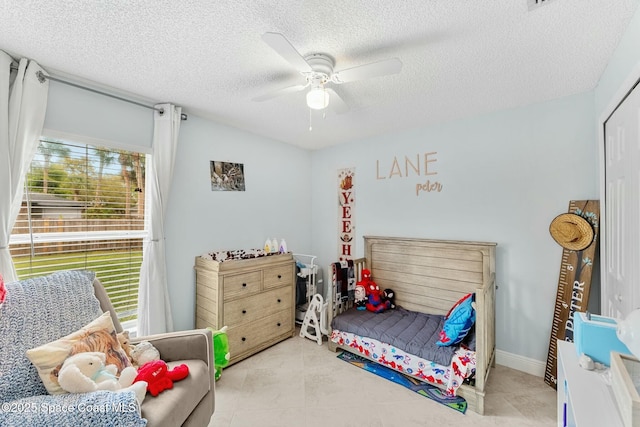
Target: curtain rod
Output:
[{"x": 41, "y": 76}]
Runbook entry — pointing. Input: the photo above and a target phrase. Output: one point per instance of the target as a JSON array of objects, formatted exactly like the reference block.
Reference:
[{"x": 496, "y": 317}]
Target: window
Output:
[{"x": 84, "y": 208}]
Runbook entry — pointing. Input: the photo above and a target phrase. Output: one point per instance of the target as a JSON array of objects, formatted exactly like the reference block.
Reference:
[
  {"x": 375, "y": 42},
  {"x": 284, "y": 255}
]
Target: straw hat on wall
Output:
[{"x": 571, "y": 231}]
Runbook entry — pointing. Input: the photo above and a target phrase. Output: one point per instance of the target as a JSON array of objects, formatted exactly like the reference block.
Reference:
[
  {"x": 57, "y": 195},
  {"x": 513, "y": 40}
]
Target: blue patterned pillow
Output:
[
  {"x": 36, "y": 312},
  {"x": 458, "y": 322}
]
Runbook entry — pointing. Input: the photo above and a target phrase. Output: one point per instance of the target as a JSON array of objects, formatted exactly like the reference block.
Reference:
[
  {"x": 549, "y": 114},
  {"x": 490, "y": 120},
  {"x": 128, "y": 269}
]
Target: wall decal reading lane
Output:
[
  {"x": 420, "y": 165},
  {"x": 411, "y": 167}
]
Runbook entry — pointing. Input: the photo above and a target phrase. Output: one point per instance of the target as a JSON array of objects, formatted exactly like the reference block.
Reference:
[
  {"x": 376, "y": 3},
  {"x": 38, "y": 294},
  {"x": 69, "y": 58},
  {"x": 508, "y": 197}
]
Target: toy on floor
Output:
[
  {"x": 375, "y": 302},
  {"x": 85, "y": 372},
  {"x": 159, "y": 377},
  {"x": 221, "y": 353}
]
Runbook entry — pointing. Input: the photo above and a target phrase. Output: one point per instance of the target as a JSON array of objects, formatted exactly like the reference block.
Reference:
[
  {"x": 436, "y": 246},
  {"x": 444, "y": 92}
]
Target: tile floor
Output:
[{"x": 299, "y": 383}]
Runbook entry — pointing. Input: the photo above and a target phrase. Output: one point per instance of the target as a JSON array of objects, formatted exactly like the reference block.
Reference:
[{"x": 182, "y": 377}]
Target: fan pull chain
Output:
[{"x": 310, "y": 127}]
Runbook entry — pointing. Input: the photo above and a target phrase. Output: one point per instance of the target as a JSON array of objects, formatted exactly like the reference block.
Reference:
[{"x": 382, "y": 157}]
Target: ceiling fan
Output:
[{"x": 317, "y": 69}]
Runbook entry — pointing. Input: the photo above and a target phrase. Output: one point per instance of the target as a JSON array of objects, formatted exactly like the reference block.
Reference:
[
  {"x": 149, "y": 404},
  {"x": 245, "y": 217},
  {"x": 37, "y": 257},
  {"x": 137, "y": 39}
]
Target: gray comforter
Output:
[{"x": 413, "y": 332}]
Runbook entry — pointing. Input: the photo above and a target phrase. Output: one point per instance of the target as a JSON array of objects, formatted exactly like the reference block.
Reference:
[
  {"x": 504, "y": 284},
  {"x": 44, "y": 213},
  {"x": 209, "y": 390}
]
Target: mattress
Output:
[
  {"x": 406, "y": 341},
  {"x": 413, "y": 332}
]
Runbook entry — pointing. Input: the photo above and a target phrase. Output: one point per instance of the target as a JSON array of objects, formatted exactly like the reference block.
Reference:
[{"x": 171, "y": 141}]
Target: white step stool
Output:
[{"x": 315, "y": 320}]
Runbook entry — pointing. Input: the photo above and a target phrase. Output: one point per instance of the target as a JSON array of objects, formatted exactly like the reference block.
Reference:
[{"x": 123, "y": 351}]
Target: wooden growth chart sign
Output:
[{"x": 574, "y": 285}]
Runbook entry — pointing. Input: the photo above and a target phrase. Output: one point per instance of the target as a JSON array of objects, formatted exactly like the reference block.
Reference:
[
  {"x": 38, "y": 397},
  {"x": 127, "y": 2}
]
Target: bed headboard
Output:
[{"x": 429, "y": 275}]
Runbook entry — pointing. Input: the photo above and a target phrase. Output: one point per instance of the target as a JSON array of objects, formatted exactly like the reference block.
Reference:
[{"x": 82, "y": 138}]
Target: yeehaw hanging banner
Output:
[{"x": 346, "y": 211}]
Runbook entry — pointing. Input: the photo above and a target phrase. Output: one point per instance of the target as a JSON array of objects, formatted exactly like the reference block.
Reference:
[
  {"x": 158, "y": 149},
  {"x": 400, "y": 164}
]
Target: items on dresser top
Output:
[
  {"x": 236, "y": 254},
  {"x": 595, "y": 336},
  {"x": 253, "y": 297}
]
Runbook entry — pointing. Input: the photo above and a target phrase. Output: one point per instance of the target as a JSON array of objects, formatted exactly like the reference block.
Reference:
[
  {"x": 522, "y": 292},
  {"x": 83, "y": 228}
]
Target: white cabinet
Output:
[{"x": 584, "y": 399}]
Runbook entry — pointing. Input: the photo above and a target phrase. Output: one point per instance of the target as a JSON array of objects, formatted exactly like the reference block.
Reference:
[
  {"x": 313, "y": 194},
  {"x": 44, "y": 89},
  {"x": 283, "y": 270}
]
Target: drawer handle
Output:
[
  {"x": 278, "y": 323},
  {"x": 244, "y": 285},
  {"x": 279, "y": 276},
  {"x": 279, "y": 300},
  {"x": 244, "y": 311},
  {"x": 244, "y": 339}
]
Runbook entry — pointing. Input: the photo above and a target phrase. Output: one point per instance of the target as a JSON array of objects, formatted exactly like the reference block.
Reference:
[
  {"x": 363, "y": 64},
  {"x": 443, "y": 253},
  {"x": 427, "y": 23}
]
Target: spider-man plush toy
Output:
[{"x": 375, "y": 303}]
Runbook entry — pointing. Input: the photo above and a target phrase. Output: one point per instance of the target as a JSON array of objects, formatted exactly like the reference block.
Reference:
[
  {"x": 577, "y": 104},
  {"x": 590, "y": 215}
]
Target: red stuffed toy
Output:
[
  {"x": 3, "y": 291},
  {"x": 158, "y": 376},
  {"x": 375, "y": 302}
]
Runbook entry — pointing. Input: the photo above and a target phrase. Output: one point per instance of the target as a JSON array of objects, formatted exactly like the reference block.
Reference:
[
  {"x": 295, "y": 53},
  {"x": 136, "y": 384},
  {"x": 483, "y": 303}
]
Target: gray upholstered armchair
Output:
[
  {"x": 45, "y": 310},
  {"x": 191, "y": 401}
]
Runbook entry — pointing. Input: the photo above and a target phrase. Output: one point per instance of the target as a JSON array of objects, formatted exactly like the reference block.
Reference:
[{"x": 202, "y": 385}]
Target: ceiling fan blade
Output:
[
  {"x": 279, "y": 92},
  {"x": 336, "y": 103},
  {"x": 367, "y": 71},
  {"x": 280, "y": 44}
]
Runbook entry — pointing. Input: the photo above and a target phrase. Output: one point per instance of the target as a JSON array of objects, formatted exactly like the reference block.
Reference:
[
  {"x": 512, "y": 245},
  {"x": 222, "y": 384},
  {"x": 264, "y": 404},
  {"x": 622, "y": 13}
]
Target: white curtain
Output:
[
  {"x": 154, "y": 310},
  {"x": 23, "y": 103}
]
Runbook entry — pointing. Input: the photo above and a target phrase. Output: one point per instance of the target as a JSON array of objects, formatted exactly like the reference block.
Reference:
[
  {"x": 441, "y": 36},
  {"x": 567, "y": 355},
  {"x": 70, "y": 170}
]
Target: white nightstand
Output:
[{"x": 584, "y": 399}]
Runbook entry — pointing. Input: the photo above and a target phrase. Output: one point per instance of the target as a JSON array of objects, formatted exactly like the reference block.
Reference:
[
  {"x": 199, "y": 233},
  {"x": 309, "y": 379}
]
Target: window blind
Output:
[{"x": 83, "y": 208}]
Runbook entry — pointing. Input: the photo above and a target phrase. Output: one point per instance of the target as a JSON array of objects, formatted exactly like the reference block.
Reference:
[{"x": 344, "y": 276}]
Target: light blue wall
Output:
[
  {"x": 625, "y": 59},
  {"x": 499, "y": 172},
  {"x": 79, "y": 112},
  {"x": 504, "y": 177},
  {"x": 276, "y": 203}
]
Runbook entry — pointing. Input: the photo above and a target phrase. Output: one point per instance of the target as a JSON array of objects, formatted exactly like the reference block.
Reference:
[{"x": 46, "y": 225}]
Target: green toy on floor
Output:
[{"x": 221, "y": 353}]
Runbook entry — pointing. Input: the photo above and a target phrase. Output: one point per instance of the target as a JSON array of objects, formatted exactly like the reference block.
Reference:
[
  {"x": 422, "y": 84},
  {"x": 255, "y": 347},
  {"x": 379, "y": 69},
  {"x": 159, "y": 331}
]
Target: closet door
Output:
[{"x": 622, "y": 203}]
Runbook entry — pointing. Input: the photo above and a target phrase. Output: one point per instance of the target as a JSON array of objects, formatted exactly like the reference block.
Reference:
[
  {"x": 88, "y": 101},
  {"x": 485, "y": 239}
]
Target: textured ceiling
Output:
[{"x": 460, "y": 58}]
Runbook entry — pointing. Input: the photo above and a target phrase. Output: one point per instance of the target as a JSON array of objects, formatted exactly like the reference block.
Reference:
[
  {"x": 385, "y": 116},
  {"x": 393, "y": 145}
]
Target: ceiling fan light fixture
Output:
[{"x": 317, "y": 98}]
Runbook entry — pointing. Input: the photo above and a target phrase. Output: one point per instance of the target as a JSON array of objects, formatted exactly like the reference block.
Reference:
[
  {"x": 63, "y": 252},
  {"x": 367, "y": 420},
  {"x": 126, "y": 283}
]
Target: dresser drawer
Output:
[
  {"x": 278, "y": 276},
  {"x": 248, "y": 336},
  {"x": 255, "y": 307},
  {"x": 239, "y": 285}
]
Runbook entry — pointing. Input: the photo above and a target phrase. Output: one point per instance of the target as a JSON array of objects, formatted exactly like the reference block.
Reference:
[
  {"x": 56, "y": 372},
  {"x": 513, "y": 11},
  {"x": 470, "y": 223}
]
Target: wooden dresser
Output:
[{"x": 253, "y": 297}]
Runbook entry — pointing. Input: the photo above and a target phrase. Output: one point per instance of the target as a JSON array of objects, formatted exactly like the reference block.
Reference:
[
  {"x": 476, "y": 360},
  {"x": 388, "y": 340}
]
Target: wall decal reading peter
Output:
[{"x": 420, "y": 165}]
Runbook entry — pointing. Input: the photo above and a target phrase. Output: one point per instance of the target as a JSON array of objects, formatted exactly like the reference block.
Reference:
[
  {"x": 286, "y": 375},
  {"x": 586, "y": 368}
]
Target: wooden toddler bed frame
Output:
[{"x": 429, "y": 276}]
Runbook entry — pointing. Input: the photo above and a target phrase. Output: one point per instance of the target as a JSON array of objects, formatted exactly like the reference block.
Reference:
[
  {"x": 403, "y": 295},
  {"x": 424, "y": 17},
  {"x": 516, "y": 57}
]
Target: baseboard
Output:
[{"x": 521, "y": 363}]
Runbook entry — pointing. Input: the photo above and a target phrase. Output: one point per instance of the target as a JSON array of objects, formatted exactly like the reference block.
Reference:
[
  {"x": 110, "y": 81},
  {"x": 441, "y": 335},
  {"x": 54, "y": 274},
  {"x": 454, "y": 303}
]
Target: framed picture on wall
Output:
[{"x": 227, "y": 176}]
